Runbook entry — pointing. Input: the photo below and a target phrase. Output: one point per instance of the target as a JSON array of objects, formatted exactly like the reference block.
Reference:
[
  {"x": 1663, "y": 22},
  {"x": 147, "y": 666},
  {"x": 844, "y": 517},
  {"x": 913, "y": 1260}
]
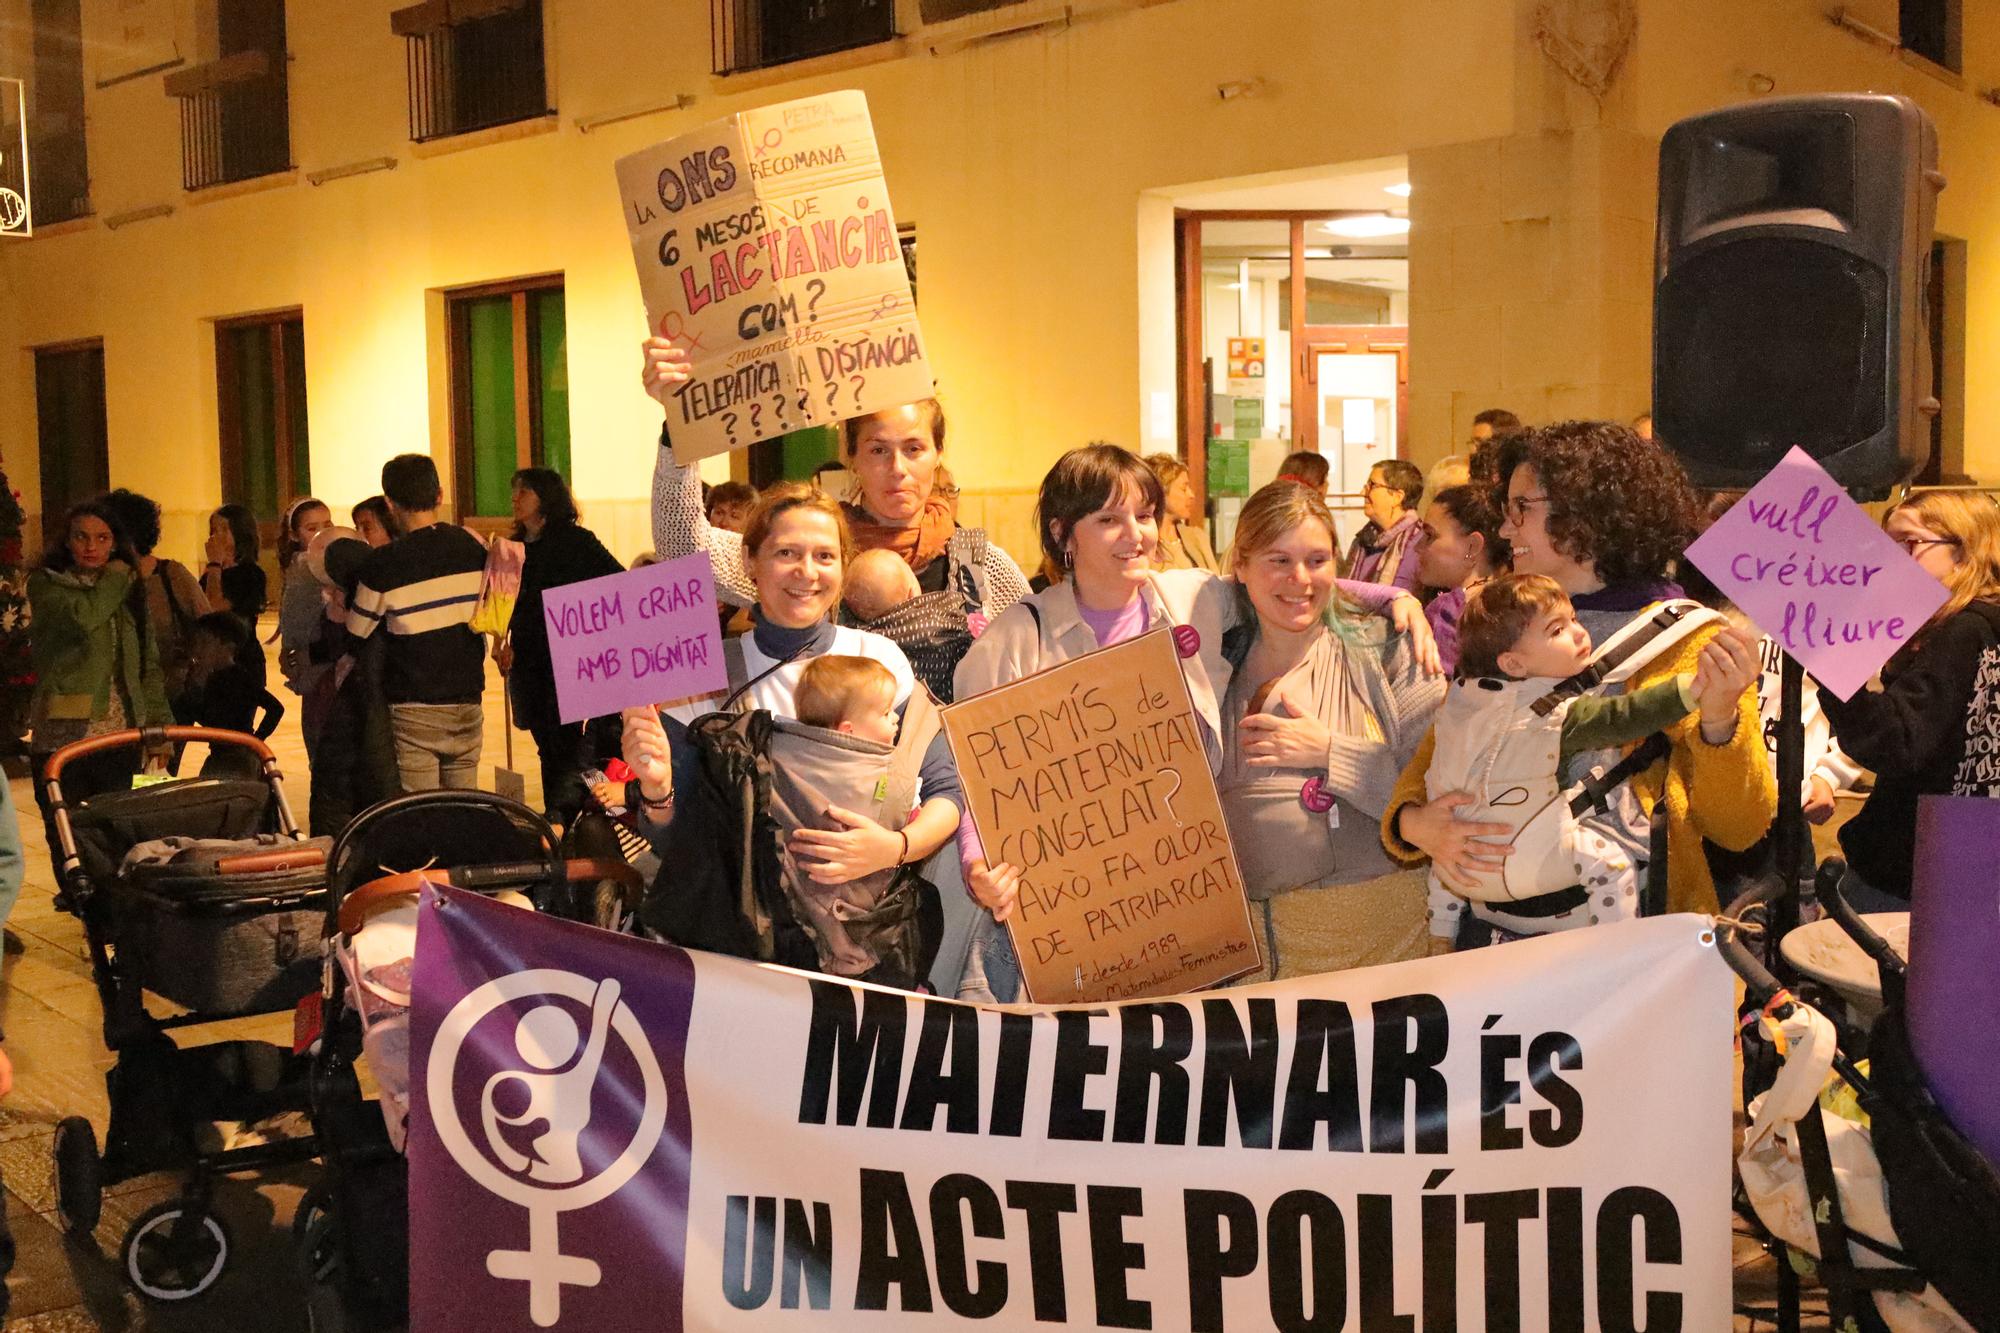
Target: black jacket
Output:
[
  {"x": 1930, "y": 731},
  {"x": 565, "y": 554}
]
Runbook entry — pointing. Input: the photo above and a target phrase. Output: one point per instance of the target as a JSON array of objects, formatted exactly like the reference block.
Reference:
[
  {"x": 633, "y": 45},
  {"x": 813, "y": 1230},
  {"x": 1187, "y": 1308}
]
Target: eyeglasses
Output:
[
  {"x": 1517, "y": 506},
  {"x": 1911, "y": 545}
]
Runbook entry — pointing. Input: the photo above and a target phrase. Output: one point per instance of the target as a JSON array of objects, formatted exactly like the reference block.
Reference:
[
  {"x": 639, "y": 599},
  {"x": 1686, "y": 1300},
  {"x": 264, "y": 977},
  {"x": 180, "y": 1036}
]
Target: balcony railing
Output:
[
  {"x": 757, "y": 34},
  {"x": 472, "y": 64},
  {"x": 235, "y": 123}
]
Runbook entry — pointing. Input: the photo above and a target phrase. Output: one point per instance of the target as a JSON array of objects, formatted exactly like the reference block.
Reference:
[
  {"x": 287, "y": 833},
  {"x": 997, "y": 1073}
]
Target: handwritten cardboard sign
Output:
[
  {"x": 635, "y": 638},
  {"x": 766, "y": 246},
  {"x": 1092, "y": 779},
  {"x": 1809, "y": 566}
]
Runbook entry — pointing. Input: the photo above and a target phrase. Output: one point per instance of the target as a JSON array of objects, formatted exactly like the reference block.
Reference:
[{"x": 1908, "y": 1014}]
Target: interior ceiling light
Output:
[
  {"x": 1367, "y": 225},
  {"x": 1400, "y": 191}
]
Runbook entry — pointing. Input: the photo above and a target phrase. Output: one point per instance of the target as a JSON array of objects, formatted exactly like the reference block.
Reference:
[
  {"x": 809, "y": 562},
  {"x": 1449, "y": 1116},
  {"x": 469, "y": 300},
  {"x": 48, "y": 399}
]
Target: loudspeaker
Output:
[{"x": 1792, "y": 253}]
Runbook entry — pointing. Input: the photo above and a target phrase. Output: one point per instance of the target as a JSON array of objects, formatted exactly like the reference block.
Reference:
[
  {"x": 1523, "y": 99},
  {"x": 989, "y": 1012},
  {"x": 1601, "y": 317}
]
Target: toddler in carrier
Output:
[
  {"x": 933, "y": 629},
  {"x": 1527, "y": 731},
  {"x": 800, "y": 781}
]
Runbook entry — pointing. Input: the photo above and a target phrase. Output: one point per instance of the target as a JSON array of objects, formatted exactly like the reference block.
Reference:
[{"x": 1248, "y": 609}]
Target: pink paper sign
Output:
[
  {"x": 641, "y": 637},
  {"x": 1817, "y": 574}
]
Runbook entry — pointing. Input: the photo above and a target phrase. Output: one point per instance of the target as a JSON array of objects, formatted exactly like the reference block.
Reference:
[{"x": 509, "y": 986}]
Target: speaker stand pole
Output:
[{"x": 1789, "y": 840}]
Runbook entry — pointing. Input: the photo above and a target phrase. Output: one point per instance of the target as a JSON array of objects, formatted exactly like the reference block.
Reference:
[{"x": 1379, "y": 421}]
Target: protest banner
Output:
[
  {"x": 1091, "y": 778},
  {"x": 608, "y": 1133},
  {"x": 766, "y": 246},
  {"x": 1807, "y": 564},
  {"x": 633, "y": 638}
]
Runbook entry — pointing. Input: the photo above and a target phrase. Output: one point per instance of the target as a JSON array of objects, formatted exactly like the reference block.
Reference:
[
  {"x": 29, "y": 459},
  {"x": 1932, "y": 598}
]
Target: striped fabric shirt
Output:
[{"x": 422, "y": 589}]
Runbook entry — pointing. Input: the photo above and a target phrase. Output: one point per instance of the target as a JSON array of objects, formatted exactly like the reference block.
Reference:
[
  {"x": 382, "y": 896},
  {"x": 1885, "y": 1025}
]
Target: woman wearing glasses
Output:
[
  {"x": 1929, "y": 728},
  {"x": 1606, "y": 515}
]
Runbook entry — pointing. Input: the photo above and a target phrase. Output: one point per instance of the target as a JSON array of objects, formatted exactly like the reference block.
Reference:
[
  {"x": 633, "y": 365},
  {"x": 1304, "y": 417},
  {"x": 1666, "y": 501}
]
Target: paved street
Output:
[{"x": 49, "y": 1010}]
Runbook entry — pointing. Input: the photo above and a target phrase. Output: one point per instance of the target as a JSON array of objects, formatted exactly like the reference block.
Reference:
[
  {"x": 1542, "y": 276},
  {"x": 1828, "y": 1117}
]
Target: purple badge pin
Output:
[
  {"x": 1187, "y": 640},
  {"x": 1314, "y": 796}
]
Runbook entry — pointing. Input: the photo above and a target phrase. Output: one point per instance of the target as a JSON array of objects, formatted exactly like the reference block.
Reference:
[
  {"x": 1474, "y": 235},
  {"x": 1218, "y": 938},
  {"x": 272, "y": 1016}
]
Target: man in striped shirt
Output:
[{"x": 421, "y": 590}]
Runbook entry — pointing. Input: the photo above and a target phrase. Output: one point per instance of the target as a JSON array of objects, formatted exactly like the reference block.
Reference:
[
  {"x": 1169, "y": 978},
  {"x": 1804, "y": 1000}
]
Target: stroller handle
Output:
[
  {"x": 152, "y": 738},
  {"x": 363, "y": 901},
  {"x": 1760, "y": 985}
]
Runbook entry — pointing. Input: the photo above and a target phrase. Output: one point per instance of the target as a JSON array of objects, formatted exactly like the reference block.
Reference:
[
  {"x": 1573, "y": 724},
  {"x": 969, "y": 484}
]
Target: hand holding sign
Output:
[
  {"x": 668, "y": 367},
  {"x": 644, "y": 744}
]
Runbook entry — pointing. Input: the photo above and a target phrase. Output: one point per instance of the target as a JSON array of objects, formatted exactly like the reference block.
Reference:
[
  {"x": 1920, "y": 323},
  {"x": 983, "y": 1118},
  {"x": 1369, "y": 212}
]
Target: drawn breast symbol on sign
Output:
[{"x": 1168, "y": 799}]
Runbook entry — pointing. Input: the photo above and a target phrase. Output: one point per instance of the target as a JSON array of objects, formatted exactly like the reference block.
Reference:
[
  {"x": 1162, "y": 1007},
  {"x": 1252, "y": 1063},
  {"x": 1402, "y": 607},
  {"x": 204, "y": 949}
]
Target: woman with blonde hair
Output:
[
  {"x": 1324, "y": 707},
  {"x": 1939, "y": 694},
  {"x": 1183, "y": 539}
]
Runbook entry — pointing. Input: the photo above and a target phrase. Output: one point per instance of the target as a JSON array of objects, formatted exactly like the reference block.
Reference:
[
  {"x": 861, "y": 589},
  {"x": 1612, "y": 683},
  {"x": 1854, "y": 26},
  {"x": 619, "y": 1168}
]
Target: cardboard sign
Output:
[
  {"x": 1092, "y": 779},
  {"x": 767, "y": 247},
  {"x": 635, "y": 638},
  {"x": 1809, "y": 566}
]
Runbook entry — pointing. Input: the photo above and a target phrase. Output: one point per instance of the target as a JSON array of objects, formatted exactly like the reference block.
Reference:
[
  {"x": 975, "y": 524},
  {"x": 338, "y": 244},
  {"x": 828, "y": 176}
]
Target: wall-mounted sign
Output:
[{"x": 16, "y": 203}]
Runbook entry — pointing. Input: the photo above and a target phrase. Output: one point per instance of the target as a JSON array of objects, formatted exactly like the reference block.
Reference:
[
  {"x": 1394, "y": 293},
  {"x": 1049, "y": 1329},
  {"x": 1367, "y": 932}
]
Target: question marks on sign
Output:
[
  {"x": 832, "y": 392},
  {"x": 857, "y": 383},
  {"x": 729, "y": 420},
  {"x": 817, "y": 286}
]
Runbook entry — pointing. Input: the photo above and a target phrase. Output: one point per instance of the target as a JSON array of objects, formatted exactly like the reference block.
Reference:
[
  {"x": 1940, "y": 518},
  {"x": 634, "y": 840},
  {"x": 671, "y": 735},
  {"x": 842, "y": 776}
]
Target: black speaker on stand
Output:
[
  {"x": 1792, "y": 259},
  {"x": 1792, "y": 256}
]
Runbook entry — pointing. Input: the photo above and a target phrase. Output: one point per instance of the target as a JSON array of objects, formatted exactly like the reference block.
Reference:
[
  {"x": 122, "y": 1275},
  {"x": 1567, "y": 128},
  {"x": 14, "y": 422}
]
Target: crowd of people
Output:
[{"x": 1473, "y": 597}]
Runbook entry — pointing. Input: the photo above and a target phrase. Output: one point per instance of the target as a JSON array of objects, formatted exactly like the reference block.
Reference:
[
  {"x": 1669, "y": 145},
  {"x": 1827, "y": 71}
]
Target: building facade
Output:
[{"x": 427, "y": 253}]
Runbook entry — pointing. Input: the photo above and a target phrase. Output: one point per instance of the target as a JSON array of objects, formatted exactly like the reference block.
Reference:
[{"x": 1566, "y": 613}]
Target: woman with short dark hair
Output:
[{"x": 560, "y": 551}]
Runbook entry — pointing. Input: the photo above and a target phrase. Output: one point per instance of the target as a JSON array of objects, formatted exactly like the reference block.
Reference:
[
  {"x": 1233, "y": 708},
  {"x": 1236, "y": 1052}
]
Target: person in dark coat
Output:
[
  {"x": 354, "y": 765},
  {"x": 560, "y": 551}
]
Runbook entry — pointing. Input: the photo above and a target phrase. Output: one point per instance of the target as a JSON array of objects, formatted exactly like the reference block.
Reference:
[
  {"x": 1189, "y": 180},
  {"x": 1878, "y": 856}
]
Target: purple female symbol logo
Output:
[
  {"x": 1314, "y": 796},
  {"x": 1187, "y": 640}
]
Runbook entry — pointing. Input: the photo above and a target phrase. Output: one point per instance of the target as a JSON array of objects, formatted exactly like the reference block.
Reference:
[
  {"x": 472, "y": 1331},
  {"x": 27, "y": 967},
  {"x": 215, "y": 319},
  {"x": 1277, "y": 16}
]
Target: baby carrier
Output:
[
  {"x": 1505, "y": 749},
  {"x": 761, "y": 779}
]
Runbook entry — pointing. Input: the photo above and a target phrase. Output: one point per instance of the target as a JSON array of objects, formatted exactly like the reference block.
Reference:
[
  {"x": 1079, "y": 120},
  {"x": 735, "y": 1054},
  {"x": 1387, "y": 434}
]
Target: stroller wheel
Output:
[
  {"x": 321, "y": 1261},
  {"x": 79, "y": 1175},
  {"x": 175, "y": 1251}
]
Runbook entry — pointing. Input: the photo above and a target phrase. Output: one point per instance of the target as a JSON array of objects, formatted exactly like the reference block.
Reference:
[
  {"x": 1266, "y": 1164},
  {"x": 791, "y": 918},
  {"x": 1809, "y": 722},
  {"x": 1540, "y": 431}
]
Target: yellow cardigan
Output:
[{"x": 1738, "y": 792}]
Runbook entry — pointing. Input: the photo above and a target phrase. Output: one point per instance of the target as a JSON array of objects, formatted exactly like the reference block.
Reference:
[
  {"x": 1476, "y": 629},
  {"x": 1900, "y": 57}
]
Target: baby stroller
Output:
[
  {"x": 1901, "y": 1214},
  {"x": 353, "y": 1225},
  {"x": 202, "y": 891}
]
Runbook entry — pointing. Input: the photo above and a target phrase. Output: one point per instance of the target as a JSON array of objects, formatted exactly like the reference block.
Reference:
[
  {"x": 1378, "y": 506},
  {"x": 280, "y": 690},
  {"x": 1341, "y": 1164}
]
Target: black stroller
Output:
[
  {"x": 1943, "y": 1197},
  {"x": 226, "y": 927},
  {"x": 353, "y": 1226}
]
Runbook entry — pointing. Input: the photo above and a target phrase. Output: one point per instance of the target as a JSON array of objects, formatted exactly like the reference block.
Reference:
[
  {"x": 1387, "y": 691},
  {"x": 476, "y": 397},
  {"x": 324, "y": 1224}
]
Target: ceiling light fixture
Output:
[
  {"x": 1367, "y": 225},
  {"x": 1401, "y": 191}
]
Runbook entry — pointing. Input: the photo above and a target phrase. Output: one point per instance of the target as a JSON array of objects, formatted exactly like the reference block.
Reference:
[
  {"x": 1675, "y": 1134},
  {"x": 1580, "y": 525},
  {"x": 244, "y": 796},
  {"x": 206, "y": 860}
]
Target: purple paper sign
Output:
[
  {"x": 1815, "y": 573},
  {"x": 641, "y": 637},
  {"x": 550, "y": 1132}
]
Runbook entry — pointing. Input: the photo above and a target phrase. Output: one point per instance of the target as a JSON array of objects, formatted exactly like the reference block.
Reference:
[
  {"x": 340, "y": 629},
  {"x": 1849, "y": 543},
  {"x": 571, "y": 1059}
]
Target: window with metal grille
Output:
[
  {"x": 756, "y": 34},
  {"x": 260, "y": 397},
  {"x": 509, "y": 370},
  {"x": 55, "y": 125},
  {"x": 1930, "y": 28},
  {"x": 235, "y": 118},
  {"x": 472, "y": 64}
]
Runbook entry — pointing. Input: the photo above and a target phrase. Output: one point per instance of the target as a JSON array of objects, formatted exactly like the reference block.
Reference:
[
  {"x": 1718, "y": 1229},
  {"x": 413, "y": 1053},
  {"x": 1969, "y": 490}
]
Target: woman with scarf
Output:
[{"x": 904, "y": 503}]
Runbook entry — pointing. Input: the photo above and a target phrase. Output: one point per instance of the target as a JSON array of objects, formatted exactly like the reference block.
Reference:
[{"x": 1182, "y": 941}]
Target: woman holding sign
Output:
[
  {"x": 1607, "y": 515},
  {"x": 896, "y": 459},
  {"x": 1324, "y": 708},
  {"x": 796, "y": 541},
  {"x": 560, "y": 551},
  {"x": 1921, "y": 731},
  {"x": 1098, "y": 518}
]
